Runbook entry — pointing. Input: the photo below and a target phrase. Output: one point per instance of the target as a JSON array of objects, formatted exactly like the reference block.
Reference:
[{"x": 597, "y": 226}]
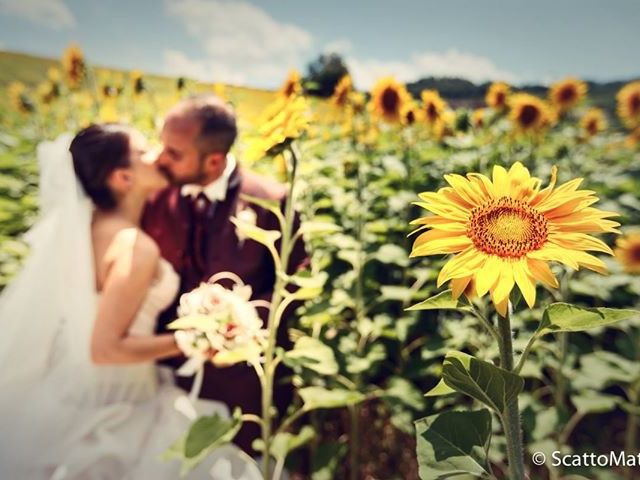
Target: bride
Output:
[{"x": 81, "y": 396}]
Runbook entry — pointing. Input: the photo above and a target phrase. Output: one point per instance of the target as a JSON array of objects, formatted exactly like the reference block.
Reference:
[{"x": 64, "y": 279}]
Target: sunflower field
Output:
[{"x": 475, "y": 273}]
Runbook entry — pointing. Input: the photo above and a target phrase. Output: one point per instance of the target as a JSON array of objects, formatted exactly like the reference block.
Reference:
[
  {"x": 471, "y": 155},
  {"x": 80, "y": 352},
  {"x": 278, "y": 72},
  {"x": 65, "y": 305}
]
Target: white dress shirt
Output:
[{"x": 216, "y": 190}]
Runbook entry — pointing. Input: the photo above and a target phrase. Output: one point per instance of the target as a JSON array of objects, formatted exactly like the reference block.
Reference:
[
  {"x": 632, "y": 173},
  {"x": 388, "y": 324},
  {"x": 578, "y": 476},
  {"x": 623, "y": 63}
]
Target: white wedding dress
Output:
[{"x": 64, "y": 418}]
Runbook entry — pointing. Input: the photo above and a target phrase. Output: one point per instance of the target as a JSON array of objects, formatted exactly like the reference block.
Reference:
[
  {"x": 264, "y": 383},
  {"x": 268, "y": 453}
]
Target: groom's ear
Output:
[{"x": 215, "y": 162}]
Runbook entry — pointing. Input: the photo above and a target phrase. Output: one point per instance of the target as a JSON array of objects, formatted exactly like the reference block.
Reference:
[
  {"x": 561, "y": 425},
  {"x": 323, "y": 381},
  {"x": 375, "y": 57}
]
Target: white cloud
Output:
[
  {"x": 451, "y": 63},
  {"x": 49, "y": 13},
  {"x": 242, "y": 43}
]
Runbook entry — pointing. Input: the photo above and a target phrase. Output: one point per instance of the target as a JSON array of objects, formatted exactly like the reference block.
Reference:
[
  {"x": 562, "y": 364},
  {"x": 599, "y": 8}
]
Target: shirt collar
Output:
[{"x": 216, "y": 190}]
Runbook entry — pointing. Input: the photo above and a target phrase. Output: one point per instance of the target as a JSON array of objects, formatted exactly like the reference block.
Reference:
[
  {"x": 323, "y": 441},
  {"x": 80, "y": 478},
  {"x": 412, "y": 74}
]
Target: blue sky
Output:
[{"x": 254, "y": 42}]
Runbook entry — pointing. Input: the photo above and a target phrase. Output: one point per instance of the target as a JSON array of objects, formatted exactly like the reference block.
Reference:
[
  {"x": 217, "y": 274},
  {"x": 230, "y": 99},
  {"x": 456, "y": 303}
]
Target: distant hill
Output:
[{"x": 463, "y": 93}]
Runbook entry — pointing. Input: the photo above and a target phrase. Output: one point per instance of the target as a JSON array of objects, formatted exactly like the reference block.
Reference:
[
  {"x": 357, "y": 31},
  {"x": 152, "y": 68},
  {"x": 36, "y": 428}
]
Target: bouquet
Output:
[{"x": 219, "y": 325}]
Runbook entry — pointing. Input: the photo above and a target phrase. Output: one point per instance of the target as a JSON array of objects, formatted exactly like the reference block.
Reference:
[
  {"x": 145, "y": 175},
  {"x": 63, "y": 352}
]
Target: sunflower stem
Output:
[{"x": 511, "y": 415}]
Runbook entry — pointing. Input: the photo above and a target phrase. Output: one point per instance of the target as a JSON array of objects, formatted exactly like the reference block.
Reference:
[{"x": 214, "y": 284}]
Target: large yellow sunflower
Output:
[
  {"x": 628, "y": 252},
  {"x": 433, "y": 106},
  {"x": 504, "y": 230},
  {"x": 341, "y": 93},
  {"x": 388, "y": 98},
  {"x": 529, "y": 114},
  {"x": 73, "y": 64},
  {"x": 497, "y": 95},
  {"x": 629, "y": 104},
  {"x": 593, "y": 122},
  {"x": 567, "y": 93},
  {"x": 291, "y": 86}
]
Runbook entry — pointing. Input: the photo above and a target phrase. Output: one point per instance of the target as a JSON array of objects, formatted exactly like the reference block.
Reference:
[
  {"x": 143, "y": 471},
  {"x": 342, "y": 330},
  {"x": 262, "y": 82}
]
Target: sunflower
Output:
[
  {"x": 137, "y": 82},
  {"x": 445, "y": 126},
  {"x": 629, "y": 104},
  {"x": 593, "y": 122},
  {"x": 433, "y": 106},
  {"x": 627, "y": 252},
  {"x": 633, "y": 139},
  {"x": 53, "y": 74},
  {"x": 284, "y": 121},
  {"x": 567, "y": 93},
  {"x": 529, "y": 113},
  {"x": 74, "y": 65},
  {"x": 358, "y": 102},
  {"x": 18, "y": 97},
  {"x": 291, "y": 86},
  {"x": 388, "y": 98},
  {"x": 498, "y": 95},
  {"x": 341, "y": 93},
  {"x": 504, "y": 230},
  {"x": 410, "y": 113},
  {"x": 48, "y": 91},
  {"x": 477, "y": 118}
]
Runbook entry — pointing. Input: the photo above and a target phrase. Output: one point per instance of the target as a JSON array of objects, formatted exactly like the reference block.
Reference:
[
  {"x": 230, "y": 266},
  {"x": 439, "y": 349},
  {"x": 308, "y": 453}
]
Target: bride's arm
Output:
[{"x": 130, "y": 274}]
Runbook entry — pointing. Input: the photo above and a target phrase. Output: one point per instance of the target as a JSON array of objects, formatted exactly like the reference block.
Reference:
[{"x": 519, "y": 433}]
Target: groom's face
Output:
[{"x": 180, "y": 160}]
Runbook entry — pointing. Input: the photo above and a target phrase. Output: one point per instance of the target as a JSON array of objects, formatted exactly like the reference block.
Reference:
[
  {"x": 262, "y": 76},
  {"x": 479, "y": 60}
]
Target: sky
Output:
[{"x": 256, "y": 42}]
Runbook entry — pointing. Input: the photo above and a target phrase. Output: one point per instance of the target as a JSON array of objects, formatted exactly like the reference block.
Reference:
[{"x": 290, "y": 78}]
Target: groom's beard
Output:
[{"x": 196, "y": 178}]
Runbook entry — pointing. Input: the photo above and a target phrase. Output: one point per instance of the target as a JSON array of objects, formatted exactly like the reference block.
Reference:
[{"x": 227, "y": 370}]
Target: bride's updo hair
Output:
[{"x": 97, "y": 151}]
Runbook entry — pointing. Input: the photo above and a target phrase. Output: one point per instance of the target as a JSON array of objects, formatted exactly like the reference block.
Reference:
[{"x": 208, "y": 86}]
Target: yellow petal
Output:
[
  {"x": 488, "y": 274},
  {"x": 505, "y": 283},
  {"x": 458, "y": 286},
  {"x": 524, "y": 281},
  {"x": 541, "y": 271}
]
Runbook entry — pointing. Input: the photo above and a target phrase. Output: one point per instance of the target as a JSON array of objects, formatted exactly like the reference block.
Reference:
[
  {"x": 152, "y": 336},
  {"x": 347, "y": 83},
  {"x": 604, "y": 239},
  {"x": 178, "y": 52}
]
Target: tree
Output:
[{"x": 324, "y": 73}]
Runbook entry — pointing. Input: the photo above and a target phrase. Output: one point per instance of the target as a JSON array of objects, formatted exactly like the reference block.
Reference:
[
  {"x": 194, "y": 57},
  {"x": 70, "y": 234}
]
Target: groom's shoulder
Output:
[{"x": 261, "y": 186}]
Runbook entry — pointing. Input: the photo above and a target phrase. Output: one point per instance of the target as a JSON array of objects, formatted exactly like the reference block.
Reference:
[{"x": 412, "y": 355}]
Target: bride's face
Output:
[{"x": 147, "y": 176}]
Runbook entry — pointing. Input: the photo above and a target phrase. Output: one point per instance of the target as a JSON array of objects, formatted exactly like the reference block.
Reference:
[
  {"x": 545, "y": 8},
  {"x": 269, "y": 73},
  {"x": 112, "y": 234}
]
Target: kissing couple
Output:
[{"x": 86, "y": 362}]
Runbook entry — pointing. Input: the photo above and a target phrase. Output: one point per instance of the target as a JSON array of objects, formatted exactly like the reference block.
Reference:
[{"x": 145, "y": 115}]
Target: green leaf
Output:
[
  {"x": 491, "y": 385},
  {"x": 318, "y": 397},
  {"x": 267, "y": 238},
  {"x": 440, "y": 389},
  {"x": 249, "y": 353},
  {"x": 600, "y": 369},
  {"x": 442, "y": 301},
  {"x": 272, "y": 205},
  {"x": 199, "y": 322},
  {"x": 205, "y": 435},
  {"x": 319, "y": 228},
  {"x": 210, "y": 432},
  {"x": 453, "y": 444},
  {"x": 311, "y": 353},
  {"x": 327, "y": 459},
  {"x": 563, "y": 317},
  {"x": 308, "y": 281},
  {"x": 285, "y": 442},
  {"x": 405, "y": 392},
  {"x": 592, "y": 402},
  {"x": 391, "y": 253}
]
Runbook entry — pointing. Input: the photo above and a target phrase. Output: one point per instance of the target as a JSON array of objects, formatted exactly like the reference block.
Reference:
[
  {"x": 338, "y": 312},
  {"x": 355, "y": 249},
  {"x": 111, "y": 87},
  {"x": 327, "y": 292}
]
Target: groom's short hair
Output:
[{"x": 218, "y": 129}]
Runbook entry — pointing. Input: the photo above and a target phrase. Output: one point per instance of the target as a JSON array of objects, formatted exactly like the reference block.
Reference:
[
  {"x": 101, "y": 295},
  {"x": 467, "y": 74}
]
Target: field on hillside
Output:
[{"x": 523, "y": 270}]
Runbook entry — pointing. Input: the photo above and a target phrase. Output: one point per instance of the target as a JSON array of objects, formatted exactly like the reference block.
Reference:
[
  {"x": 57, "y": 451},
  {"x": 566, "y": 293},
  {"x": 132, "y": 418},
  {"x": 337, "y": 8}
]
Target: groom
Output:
[{"x": 190, "y": 222}]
